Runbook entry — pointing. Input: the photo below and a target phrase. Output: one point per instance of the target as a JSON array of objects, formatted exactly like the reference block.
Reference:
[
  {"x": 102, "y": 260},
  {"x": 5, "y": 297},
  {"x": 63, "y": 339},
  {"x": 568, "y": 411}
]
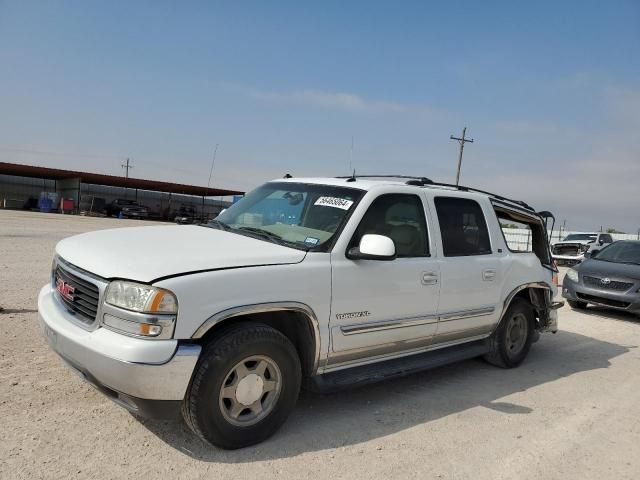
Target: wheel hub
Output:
[{"x": 249, "y": 389}]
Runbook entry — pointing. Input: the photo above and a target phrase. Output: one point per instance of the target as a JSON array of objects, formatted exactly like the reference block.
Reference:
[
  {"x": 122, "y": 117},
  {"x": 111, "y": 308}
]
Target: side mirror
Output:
[
  {"x": 601, "y": 242},
  {"x": 373, "y": 247}
]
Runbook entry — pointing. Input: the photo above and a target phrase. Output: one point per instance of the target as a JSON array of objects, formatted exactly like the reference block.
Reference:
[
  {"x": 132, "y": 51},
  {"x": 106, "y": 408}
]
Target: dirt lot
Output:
[{"x": 570, "y": 411}]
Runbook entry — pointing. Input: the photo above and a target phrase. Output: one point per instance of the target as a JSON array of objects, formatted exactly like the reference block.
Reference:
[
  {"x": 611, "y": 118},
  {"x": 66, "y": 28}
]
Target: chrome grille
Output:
[
  {"x": 566, "y": 250},
  {"x": 615, "y": 285},
  {"x": 86, "y": 295}
]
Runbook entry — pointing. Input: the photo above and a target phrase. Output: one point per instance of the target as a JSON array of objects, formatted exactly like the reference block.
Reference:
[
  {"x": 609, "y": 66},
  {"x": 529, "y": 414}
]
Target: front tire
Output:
[
  {"x": 511, "y": 342},
  {"x": 245, "y": 386},
  {"x": 577, "y": 305}
]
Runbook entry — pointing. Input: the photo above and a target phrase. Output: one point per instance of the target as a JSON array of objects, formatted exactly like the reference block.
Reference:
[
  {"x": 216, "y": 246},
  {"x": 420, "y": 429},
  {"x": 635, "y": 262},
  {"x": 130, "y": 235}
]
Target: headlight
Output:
[
  {"x": 572, "y": 274},
  {"x": 584, "y": 248},
  {"x": 141, "y": 298}
]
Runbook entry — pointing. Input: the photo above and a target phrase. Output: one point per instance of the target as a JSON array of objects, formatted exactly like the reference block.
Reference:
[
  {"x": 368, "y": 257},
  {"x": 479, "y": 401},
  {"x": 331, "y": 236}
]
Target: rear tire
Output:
[
  {"x": 511, "y": 342},
  {"x": 245, "y": 386},
  {"x": 577, "y": 305}
]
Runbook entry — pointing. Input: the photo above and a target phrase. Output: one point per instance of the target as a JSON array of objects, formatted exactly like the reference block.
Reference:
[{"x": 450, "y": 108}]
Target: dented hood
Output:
[{"x": 149, "y": 253}]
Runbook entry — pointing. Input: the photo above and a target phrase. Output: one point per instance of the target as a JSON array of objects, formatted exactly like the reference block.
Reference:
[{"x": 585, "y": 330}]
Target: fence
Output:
[{"x": 520, "y": 238}]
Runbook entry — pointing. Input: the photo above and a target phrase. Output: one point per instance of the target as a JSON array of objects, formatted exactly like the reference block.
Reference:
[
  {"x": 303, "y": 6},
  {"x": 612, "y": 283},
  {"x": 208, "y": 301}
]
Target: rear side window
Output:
[{"x": 463, "y": 227}]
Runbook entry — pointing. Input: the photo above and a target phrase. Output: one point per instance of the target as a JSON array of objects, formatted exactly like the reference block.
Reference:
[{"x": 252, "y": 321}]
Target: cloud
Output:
[{"x": 345, "y": 101}]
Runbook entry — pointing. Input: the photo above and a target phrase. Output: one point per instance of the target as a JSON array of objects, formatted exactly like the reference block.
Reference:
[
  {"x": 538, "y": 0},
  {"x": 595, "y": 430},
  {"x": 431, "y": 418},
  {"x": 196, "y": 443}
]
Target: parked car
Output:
[
  {"x": 609, "y": 277},
  {"x": 571, "y": 250},
  {"x": 367, "y": 280},
  {"x": 187, "y": 215},
  {"x": 126, "y": 209}
]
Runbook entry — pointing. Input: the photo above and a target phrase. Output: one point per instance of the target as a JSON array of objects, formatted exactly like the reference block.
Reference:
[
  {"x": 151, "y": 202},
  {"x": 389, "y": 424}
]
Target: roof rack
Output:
[
  {"x": 414, "y": 180},
  {"x": 426, "y": 182}
]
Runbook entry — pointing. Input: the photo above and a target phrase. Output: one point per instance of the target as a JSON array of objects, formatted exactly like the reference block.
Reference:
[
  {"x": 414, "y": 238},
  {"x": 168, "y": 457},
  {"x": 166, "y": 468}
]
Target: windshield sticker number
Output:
[
  {"x": 334, "y": 202},
  {"x": 311, "y": 240}
]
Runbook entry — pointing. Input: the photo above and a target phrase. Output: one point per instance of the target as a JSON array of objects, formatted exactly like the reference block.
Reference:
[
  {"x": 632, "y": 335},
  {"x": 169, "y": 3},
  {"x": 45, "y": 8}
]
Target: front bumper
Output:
[
  {"x": 149, "y": 377},
  {"x": 577, "y": 291},
  {"x": 568, "y": 259}
]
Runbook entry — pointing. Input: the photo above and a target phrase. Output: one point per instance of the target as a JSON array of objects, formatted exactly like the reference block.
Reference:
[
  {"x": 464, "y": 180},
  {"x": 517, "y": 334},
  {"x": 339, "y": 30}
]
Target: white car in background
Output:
[{"x": 571, "y": 250}]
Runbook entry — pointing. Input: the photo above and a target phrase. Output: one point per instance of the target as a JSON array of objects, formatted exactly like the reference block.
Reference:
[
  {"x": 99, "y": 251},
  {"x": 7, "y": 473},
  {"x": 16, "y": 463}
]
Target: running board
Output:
[{"x": 398, "y": 367}]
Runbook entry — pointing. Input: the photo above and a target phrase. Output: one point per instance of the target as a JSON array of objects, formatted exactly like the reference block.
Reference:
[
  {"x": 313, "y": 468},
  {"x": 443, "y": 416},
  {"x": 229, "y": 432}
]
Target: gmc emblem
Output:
[{"x": 65, "y": 289}]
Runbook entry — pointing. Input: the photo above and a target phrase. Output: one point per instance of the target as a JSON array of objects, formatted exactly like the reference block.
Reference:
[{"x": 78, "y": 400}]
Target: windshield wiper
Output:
[
  {"x": 273, "y": 237},
  {"x": 216, "y": 224},
  {"x": 262, "y": 233}
]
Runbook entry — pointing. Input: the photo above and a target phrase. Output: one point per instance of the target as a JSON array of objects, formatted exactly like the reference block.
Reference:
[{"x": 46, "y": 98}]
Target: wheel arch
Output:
[
  {"x": 535, "y": 293},
  {"x": 296, "y": 321}
]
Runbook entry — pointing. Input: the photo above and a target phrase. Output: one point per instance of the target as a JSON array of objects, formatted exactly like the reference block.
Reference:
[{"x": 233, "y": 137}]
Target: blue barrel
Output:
[{"x": 45, "y": 204}]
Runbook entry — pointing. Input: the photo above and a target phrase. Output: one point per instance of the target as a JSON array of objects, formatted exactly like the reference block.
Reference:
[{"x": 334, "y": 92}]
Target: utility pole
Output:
[
  {"x": 462, "y": 141},
  {"x": 126, "y": 167}
]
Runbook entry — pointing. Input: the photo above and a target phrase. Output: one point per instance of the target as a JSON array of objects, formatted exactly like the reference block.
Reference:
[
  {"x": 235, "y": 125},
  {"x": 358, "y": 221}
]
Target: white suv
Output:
[{"x": 333, "y": 282}]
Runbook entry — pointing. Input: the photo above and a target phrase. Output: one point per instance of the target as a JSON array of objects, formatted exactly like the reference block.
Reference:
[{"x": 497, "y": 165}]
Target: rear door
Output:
[{"x": 471, "y": 271}]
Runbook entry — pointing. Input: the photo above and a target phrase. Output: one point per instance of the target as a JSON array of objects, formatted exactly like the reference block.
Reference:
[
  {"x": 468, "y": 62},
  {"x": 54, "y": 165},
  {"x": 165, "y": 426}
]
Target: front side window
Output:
[
  {"x": 399, "y": 217},
  {"x": 303, "y": 216},
  {"x": 463, "y": 227}
]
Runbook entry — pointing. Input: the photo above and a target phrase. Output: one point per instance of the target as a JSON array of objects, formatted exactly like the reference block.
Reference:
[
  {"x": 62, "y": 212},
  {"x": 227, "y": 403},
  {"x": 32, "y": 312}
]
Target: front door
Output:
[{"x": 382, "y": 307}]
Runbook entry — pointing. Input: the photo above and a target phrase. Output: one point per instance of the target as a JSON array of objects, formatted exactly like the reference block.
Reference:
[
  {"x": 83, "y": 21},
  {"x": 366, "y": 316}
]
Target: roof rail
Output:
[
  {"x": 414, "y": 180},
  {"x": 426, "y": 182},
  {"x": 494, "y": 195}
]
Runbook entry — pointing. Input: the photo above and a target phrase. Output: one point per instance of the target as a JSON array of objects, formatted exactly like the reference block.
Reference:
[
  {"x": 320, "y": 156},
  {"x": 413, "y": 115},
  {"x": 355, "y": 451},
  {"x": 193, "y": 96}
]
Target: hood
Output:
[
  {"x": 148, "y": 253},
  {"x": 599, "y": 268}
]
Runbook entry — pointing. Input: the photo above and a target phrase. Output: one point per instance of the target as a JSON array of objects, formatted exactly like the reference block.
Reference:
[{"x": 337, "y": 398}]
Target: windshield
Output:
[
  {"x": 295, "y": 214},
  {"x": 620, "y": 252},
  {"x": 581, "y": 236}
]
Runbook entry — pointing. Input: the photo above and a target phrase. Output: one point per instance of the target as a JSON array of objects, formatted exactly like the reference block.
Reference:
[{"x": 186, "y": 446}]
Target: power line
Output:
[
  {"x": 462, "y": 141},
  {"x": 126, "y": 167}
]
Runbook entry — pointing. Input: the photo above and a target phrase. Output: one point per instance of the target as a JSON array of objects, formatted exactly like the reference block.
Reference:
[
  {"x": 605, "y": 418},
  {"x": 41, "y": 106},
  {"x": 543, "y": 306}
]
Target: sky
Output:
[{"x": 550, "y": 92}]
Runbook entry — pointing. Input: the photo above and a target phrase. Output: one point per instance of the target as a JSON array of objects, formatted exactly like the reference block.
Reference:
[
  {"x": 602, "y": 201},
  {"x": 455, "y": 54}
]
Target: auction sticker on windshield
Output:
[{"x": 334, "y": 202}]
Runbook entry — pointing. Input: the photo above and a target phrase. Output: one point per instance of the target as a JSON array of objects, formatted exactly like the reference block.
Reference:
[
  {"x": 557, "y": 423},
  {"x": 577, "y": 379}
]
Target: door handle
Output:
[
  {"x": 488, "y": 275},
  {"x": 429, "y": 278}
]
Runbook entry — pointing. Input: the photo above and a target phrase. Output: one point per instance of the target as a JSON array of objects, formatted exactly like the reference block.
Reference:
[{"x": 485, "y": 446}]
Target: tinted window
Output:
[
  {"x": 581, "y": 236},
  {"x": 399, "y": 217},
  {"x": 606, "y": 238},
  {"x": 463, "y": 227},
  {"x": 620, "y": 252}
]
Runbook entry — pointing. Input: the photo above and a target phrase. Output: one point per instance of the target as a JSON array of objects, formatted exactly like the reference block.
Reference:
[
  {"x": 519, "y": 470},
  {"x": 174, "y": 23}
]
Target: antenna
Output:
[
  {"x": 351, "y": 155},
  {"x": 213, "y": 161}
]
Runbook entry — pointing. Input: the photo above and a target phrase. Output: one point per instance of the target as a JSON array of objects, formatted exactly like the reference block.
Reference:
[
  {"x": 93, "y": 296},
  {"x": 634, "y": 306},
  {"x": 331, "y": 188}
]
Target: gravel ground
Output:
[{"x": 570, "y": 411}]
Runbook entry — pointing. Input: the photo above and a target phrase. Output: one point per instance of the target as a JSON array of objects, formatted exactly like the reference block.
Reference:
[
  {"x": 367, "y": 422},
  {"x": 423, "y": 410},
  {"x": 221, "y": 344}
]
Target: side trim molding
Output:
[
  {"x": 476, "y": 312},
  {"x": 264, "y": 308},
  {"x": 356, "y": 328},
  {"x": 387, "y": 325}
]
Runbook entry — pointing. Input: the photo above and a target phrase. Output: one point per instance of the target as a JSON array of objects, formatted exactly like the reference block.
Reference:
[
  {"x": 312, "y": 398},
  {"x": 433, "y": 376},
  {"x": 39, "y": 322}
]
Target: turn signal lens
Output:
[{"x": 133, "y": 328}]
